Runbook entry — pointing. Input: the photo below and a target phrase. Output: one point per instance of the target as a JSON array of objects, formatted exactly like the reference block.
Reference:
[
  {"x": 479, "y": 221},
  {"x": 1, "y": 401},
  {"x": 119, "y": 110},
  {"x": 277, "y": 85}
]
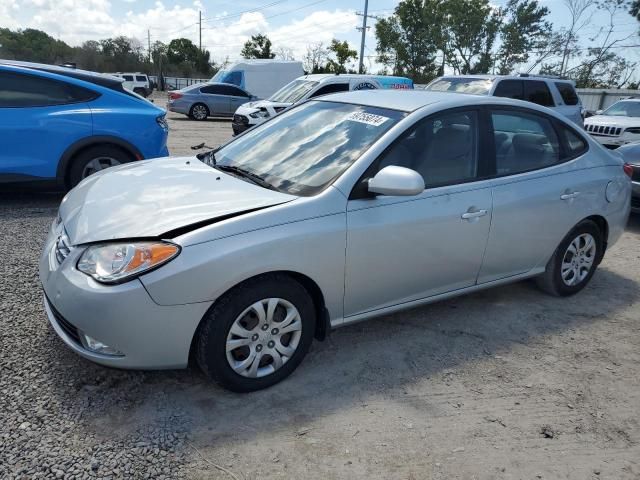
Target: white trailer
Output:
[{"x": 261, "y": 78}]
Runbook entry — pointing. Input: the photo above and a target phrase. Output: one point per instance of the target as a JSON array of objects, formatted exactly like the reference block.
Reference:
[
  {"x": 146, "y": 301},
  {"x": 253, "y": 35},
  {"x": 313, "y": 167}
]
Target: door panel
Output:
[
  {"x": 401, "y": 250},
  {"x": 39, "y": 136},
  {"x": 529, "y": 221},
  {"x": 218, "y": 104}
]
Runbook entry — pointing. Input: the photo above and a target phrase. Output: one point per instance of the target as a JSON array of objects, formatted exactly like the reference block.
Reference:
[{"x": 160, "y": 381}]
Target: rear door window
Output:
[
  {"x": 510, "y": 89},
  {"x": 232, "y": 91},
  {"x": 128, "y": 78},
  {"x": 22, "y": 90},
  {"x": 141, "y": 78},
  {"x": 537, "y": 91},
  {"x": 212, "y": 89},
  {"x": 524, "y": 142},
  {"x": 331, "y": 88},
  {"x": 568, "y": 93}
]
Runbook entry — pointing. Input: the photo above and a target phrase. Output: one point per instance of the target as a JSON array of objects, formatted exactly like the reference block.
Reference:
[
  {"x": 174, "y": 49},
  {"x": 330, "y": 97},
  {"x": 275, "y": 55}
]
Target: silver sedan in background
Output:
[
  {"x": 204, "y": 100},
  {"x": 340, "y": 209}
]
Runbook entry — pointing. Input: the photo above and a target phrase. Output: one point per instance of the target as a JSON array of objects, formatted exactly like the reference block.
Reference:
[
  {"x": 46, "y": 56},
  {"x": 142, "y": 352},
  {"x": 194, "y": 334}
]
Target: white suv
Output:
[
  {"x": 553, "y": 92},
  {"x": 136, "y": 82}
]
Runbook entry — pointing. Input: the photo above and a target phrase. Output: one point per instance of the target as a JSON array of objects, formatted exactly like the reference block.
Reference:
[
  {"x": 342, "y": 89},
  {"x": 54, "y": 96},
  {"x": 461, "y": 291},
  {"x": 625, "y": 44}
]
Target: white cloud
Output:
[{"x": 223, "y": 34}]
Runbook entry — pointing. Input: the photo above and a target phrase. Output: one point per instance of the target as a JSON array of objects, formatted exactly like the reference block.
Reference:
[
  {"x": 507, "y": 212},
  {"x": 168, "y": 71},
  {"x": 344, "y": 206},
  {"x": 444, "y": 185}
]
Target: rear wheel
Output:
[
  {"x": 96, "y": 159},
  {"x": 141, "y": 91},
  {"x": 199, "y": 111},
  {"x": 256, "y": 334},
  {"x": 574, "y": 262}
]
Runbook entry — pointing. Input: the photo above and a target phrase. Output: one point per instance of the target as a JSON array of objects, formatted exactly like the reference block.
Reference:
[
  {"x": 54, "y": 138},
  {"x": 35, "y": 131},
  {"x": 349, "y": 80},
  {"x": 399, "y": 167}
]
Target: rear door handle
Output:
[
  {"x": 473, "y": 214},
  {"x": 569, "y": 196}
]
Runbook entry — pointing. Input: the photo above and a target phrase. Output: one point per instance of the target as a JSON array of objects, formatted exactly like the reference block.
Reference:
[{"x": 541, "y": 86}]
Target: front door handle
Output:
[
  {"x": 569, "y": 195},
  {"x": 473, "y": 214}
]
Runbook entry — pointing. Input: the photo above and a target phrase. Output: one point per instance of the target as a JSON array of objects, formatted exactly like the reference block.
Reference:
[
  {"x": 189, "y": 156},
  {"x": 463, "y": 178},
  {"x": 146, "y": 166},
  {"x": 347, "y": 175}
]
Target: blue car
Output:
[{"x": 61, "y": 124}]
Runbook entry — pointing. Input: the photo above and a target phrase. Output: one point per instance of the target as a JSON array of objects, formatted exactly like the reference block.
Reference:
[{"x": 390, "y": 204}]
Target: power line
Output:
[
  {"x": 240, "y": 13},
  {"x": 278, "y": 14}
]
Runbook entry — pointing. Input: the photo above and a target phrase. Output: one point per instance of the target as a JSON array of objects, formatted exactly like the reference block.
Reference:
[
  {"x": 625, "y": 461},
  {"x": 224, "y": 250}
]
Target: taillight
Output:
[
  {"x": 174, "y": 96},
  {"x": 162, "y": 121},
  {"x": 628, "y": 170}
]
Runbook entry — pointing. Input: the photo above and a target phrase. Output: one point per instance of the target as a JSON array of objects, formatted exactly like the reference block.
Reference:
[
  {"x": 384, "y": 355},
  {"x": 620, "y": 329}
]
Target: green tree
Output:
[
  {"x": 33, "y": 46},
  {"x": 187, "y": 59},
  {"x": 182, "y": 50},
  {"x": 524, "y": 30},
  {"x": 471, "y": 31},
  {"x": 409, "y": 40},
  {"x": 342, "y": 53},
  {"x": 258, "y": 47}
]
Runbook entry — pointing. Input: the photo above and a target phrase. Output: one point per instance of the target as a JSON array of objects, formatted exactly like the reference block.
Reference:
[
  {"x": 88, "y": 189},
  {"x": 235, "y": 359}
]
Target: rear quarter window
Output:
[
  {"x": 574, "y": 144},
  {"x": 568, "y": 93},
  {"x": 537, "y": 91}
]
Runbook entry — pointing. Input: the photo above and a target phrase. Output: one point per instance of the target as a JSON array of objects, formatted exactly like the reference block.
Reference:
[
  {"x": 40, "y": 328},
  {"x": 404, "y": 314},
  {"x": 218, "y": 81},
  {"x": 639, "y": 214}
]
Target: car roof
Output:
[
  {"x": 101, "y": 79},
  {"x": 411, "y": 100},
  {"x": 510, "y": 77},
  {"x": 321, "y": 76}
]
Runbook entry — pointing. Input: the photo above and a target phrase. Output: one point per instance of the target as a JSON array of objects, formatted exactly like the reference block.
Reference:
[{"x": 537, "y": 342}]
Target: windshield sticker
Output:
[{"x": 368, "y": 118}]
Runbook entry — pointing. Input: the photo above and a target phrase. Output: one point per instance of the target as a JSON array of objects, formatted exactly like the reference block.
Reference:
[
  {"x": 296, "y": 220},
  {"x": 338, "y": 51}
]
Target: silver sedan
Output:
[{"x": 341, "y": 209}]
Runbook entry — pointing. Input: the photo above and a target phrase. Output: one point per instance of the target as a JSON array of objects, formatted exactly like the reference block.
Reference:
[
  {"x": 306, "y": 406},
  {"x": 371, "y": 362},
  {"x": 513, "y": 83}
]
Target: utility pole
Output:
[
  {"x": 364, "y": 33},
  {"x": 200, "y": 27},
  {"x": 363, "y": 29},
  {"x": 149, "y": 44}
]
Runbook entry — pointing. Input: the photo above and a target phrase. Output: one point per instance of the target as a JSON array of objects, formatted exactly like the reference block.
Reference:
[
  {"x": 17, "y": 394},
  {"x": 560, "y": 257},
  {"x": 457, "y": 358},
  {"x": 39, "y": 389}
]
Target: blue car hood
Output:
[{"x": 153, "y": 197}]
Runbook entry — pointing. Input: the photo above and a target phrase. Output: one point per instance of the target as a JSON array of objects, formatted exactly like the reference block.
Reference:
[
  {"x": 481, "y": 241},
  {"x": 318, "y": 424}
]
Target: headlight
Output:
[
  {"x": 118, "y": 262},
  {"x": 259, "y": 114}
]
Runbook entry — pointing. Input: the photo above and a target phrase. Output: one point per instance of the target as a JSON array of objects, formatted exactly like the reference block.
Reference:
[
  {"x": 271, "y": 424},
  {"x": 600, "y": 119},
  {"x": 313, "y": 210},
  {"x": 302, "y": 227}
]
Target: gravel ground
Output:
[{"x": 503, "y": 384}]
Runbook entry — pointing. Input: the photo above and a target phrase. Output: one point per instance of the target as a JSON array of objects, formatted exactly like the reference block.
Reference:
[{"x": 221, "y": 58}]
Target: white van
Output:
[
  {"x": 308, "y": 86},
  {"x": 261, "y": 78}
]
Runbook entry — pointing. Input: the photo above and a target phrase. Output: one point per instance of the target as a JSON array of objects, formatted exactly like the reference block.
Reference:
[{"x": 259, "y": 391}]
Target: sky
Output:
[{"x": 292, "y": 24}]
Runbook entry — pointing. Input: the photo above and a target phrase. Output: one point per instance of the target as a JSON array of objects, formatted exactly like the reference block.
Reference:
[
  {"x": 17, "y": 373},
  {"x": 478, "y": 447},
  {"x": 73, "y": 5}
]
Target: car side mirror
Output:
[{"x": 396, "y": 181}]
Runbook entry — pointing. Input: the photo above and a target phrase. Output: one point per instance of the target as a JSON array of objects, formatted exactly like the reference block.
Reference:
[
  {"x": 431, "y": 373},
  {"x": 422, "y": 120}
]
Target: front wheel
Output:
[
  {"x": 574, "y": 262},
  {"x": 256, "y": 334}
]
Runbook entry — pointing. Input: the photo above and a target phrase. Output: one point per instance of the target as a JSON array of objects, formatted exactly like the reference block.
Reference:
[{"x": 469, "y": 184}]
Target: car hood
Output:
[
  {"x": 154, "y": 197},
  {"x": 613, "y": 121},
  {"x": 266, "y": 104}
]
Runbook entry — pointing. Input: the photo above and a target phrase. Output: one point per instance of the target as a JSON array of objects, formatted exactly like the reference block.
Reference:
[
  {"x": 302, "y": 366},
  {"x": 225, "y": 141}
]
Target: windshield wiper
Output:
[
  {"x": 241, "y": 172},
  {"x": 208, "y": 158}
]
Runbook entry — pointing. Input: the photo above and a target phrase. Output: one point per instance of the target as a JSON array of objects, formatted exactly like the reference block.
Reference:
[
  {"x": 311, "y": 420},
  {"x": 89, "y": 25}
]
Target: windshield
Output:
[
  {"x": 623, "y": 109},
  {"x": 477, "y": 86},
  {"x": 292, "y": 92},
  {"x": 305, "y": 149},
  {"x": 218, "y": 76}
]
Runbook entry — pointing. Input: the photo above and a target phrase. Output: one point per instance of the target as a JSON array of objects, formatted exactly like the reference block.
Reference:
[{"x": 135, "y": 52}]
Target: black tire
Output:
[
  {"x": 77, "y": 170},
  {"x": 212, "y": 335},
  {"x": 551, "y": 280},
  {"x": 195, "y": 115},
  {"x": 141, "y": 91}
]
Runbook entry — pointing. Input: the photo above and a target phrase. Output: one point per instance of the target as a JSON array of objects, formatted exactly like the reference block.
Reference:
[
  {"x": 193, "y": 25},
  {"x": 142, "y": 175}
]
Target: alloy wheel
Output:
[
  {"x": 199, "y": 112},
  {"x": 97, "y": 164},
  {"x": 263, "y": 337},
  {"x": 578, "y": 259}
]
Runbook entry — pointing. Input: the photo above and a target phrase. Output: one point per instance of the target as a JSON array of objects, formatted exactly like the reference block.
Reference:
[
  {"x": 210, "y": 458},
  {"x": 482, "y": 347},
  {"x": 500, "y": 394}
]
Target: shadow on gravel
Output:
[
  {"x": 381, "y": 357},
  {"x": 633, "y": 225}
]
